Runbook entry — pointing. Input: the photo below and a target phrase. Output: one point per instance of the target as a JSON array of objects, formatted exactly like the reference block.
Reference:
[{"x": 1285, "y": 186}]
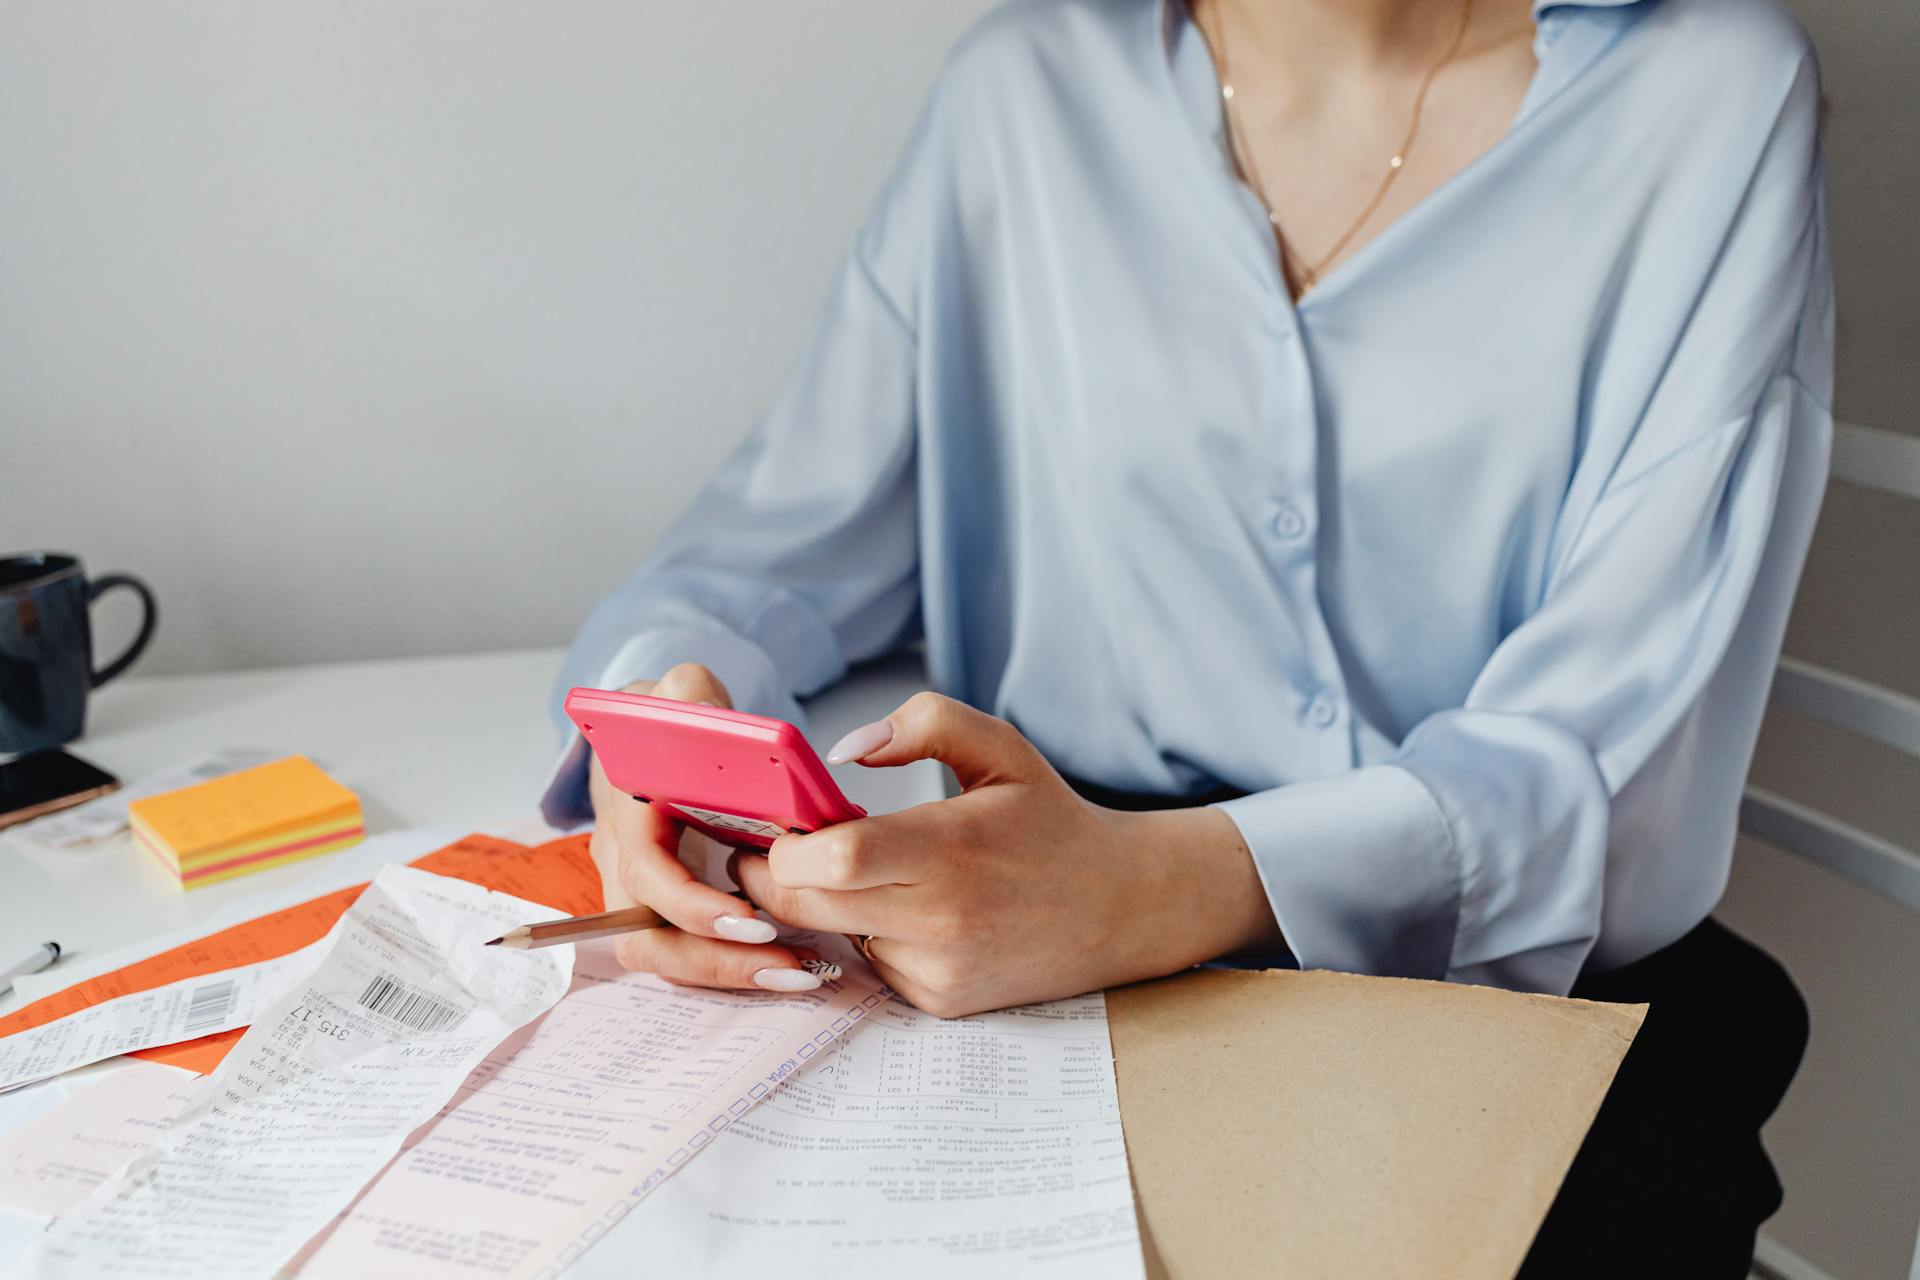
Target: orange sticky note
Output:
[{"x": 246, "y": 821}]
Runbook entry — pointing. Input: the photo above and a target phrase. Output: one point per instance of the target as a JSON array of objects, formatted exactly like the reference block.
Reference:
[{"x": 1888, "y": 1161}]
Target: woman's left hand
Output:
[{"x": 1017, "y": 890}]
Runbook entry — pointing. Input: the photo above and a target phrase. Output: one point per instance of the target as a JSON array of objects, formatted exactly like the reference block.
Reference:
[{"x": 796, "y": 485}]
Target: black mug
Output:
[{"x": 46, "y": 647}]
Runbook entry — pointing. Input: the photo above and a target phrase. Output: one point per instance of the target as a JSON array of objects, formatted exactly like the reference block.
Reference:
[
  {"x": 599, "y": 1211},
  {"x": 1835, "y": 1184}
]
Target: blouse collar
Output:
[{"x": 1569, "y": 36}]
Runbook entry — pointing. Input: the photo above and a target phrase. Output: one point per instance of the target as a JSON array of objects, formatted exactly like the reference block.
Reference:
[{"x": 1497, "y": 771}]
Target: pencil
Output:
[{"x": 579, "y": 928}]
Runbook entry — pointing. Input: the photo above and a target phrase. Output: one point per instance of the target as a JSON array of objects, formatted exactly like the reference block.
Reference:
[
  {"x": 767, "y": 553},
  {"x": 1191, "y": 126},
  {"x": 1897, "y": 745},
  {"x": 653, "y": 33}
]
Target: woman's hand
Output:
[
  {"x": 718, "y": 943},
  {"x": 1017, "y": 890}
]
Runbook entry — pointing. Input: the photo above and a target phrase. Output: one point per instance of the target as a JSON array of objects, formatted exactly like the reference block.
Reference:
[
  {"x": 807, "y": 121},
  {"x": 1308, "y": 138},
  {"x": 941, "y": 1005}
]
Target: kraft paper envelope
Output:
[{"x": 1308, "y": 1125}]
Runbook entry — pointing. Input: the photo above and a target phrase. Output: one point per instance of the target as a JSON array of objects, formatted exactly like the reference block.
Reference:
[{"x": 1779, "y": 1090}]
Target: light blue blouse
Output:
[{"x": 1471, "y": 568}]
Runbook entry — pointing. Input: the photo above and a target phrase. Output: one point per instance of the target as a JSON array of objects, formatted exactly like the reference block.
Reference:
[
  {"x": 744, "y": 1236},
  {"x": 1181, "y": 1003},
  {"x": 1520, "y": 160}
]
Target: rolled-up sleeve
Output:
[{"x": 1480, "y": 850}]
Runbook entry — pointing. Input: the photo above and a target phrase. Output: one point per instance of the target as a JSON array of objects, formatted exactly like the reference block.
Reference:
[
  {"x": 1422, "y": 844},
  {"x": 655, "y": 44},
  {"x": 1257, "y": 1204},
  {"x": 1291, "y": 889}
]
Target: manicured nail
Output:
[
  {"x": 744, "y": 929},
  {"x": 818, "y": 965},
  {"x": 786, "y": 980},
  {"x": 862, "y": 742}
]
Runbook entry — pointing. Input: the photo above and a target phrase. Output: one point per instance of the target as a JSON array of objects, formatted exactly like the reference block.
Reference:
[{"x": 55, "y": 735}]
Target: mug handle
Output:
[{"x": 98, "y": 587}]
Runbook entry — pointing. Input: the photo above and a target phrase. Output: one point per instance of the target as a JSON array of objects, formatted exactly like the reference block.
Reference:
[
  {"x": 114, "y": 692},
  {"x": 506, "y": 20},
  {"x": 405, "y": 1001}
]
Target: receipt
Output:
[
  {"x": 346, "y": 869},
  {"x": 321, "y": 1091},
  {"x": 185, "y": 1010},
  {"x": 218, "y": 981},
  {"x": 569, "y": 1125},
  {"x": 986, "y": 1145}
]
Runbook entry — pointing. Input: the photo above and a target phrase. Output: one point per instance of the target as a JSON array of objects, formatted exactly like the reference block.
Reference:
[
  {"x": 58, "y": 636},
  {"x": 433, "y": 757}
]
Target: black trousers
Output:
[{"x": 1672, "y": 1180}]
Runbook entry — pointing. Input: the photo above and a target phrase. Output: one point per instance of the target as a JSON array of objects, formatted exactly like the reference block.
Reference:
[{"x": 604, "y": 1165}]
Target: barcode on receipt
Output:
[
  {"x": 208, "y": 1007},
  {"x": 409, "y": 1006}
]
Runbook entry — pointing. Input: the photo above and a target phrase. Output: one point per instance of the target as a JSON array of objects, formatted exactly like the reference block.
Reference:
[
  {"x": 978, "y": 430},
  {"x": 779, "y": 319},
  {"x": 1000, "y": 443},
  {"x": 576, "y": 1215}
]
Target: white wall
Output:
[
  {"x": 369, "y": 329},
  {"x": 365, "y": 328},
  {"x": 1870, "y": 63}
]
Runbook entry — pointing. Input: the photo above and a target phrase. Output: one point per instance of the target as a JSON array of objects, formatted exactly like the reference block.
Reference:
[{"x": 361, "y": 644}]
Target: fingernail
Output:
[
  {"x": 786, "y": 980},
  {"x": 825, "y": 970},
  {"x": 744, "y": 929},
  {"x": 702, "y": 702},
  {"x": 862, "y": 742}
]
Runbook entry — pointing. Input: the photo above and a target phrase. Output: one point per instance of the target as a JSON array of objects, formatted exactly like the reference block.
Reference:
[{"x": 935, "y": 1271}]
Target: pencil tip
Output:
[{"x": 496, "y": 942}]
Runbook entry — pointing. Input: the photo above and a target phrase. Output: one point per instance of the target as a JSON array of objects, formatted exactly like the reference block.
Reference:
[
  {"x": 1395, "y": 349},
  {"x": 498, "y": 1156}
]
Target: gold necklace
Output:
[{"x": 1308, "y": 274}]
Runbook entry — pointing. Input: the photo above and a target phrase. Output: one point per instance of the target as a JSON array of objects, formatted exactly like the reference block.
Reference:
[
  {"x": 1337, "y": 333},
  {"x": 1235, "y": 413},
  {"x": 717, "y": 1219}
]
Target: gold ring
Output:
[{"x": 866, "y": 946}]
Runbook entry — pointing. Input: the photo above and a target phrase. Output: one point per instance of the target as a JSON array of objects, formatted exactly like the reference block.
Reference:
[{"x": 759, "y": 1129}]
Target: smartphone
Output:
[
  {"x": 44, "y": 782},
  {"x": 742, "y": 779}
]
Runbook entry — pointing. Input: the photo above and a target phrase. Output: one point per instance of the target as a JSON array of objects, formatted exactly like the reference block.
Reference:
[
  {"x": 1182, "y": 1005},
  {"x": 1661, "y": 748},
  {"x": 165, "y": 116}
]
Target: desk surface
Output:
[{"x": 462, "y": 743}]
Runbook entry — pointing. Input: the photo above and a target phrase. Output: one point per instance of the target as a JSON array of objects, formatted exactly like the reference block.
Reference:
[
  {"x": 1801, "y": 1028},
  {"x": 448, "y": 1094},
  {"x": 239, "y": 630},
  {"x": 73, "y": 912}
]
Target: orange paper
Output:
[
  {"x": 201, "y": 1055},
  {"x": 558, "y": 874}
]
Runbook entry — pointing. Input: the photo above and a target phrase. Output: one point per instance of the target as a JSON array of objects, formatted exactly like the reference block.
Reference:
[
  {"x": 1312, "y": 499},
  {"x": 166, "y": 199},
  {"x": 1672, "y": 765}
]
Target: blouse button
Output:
[
  {"x": 1288, "y": 523},
  {"x": 1321, "y": 713}
]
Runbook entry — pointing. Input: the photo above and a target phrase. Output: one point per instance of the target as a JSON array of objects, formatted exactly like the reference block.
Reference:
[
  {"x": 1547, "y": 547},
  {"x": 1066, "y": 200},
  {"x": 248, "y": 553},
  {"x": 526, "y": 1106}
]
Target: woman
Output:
[{"x": 1389, "y": 429}]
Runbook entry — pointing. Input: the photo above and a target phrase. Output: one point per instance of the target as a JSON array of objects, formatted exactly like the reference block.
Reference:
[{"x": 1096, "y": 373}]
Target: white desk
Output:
[{"x": 462, "y": 743}]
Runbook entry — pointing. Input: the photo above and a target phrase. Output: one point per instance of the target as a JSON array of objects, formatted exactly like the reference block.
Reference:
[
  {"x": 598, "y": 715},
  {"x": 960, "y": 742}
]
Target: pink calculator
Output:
[{"x": 742, "y": 779}]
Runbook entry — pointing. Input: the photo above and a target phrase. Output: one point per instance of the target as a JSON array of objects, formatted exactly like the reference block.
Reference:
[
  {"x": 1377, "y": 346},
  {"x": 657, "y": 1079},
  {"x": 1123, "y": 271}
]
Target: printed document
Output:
[
  {"x": 982, "y": 1146},
  {"x": 320, "y": 1092}
]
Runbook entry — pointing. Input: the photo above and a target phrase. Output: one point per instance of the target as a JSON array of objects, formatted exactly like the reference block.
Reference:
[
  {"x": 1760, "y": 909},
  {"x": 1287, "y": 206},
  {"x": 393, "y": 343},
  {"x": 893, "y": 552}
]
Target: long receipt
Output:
[
  {"x": 320, "y": 1092},
  {"x": 567, "y": 1127}
]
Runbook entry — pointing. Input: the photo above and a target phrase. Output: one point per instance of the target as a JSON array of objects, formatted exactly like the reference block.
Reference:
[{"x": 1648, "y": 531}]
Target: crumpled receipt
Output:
[{"x": 319, "y": 1094}]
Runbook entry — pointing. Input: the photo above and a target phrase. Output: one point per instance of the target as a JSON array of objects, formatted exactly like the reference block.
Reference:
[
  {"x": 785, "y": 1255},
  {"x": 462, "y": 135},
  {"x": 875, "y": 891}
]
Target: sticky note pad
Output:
[{"x": 247, "y": 821}]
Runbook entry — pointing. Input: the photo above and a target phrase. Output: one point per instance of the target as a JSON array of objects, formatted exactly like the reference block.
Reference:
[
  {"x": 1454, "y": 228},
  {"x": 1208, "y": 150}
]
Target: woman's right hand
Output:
[{"x": 718, "y": 942}]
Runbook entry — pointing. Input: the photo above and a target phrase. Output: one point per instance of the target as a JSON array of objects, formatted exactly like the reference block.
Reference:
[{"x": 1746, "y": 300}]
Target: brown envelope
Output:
[{"x": 1313, "y": 1125}]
